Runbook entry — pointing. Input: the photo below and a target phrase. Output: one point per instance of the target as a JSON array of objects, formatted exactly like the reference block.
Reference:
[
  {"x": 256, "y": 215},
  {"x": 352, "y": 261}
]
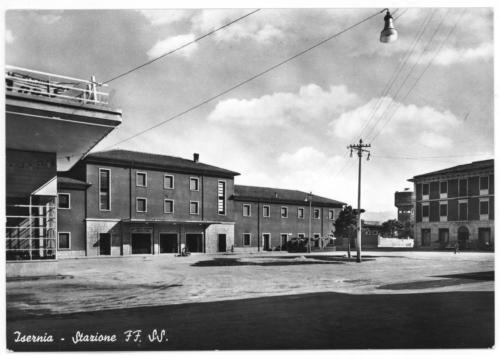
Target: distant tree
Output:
[
  {"x": 391, "y": 228},
  {"x": 345, "y": 226}
]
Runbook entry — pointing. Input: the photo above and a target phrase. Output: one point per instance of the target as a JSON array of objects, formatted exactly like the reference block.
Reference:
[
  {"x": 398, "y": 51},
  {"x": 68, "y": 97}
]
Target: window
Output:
[
  {"x": 462, "y": 211},
  {"x": 194, "y": 184},
  {"x": 331, "y": 214},
  {"x": 444, "y": 236},
  {"x": 63, "y": 201},
  {"x": 425, "y": 211},
  {"x": 104, "y": 189},
  {"x": 443, "y": 209},
  {"x": 247, "y": 210},
  {"x": 194, "y": 207},
  {"x": 141, "y": 204},
  {"x": 425, "y": 190},
  {"x": 462, "y": 187},
  {"x": 484, "y": 207},
  {"x": 484, "y": 184},
  {"x": 443, "y": 188},
  {"x": 246, "y": 239},
  {"x": 266, "y": 211},
  {"x": 300, "y": 212},
  {"x": 316, "y": 213},
  {"x": 221, "y": 197},
  {"x": 64, "y": 240},
  {"x": 141, "y": 179},
  {"x": 168, "y": 181},
  {"x": 168, "y": 206},
  {"x": 284, "y": 212}
]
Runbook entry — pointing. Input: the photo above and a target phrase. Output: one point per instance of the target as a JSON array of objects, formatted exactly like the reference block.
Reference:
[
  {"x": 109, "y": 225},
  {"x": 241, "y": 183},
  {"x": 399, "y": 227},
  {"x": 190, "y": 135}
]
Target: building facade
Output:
[
  {"x": 405, "y": 203},
  {"x": 125, "y": 202},
  {"x": 455, "y": 206},
  {"x": 267, "y": 218}
]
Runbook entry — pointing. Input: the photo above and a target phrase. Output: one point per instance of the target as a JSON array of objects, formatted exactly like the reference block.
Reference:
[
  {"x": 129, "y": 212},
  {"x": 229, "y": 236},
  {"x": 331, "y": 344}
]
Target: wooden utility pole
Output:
[{"x": 360, "y": 148}]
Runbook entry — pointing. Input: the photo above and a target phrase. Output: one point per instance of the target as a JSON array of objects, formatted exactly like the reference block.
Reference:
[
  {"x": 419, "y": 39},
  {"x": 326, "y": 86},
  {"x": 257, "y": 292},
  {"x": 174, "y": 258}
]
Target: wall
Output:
[
  {"x": 27, "y": 171},
  {"x": 73, "y": 220},
  {"x": 257, "y": 225}
]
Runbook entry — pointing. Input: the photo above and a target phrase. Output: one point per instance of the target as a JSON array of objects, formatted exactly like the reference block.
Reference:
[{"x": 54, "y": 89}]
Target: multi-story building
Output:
[
  {"x": 267, "y": 218},
  {"x": 456, "y": 206},
  {"x": 123, "y": 202},
  {"x": 51, "y": 121}
]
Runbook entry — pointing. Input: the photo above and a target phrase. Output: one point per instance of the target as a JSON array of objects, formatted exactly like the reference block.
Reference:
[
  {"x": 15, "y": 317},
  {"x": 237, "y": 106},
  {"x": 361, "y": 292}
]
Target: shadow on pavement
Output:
[
  {"x": 324, "y": 320},
  {"x": 449, "y": 280}
]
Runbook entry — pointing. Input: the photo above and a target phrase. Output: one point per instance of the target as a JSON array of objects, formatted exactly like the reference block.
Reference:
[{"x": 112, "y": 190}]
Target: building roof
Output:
[
  {"x": 70, "y": 183},
  {"x": 274, "y": 195},
  {"x": 464, "y": 168},
  {"x": 143, "y": 160}
]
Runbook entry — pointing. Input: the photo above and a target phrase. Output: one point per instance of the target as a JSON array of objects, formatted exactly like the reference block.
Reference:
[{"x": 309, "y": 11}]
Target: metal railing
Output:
[
  {"x": 31, "y": 231},
  {"x": 42, "y": 84}
]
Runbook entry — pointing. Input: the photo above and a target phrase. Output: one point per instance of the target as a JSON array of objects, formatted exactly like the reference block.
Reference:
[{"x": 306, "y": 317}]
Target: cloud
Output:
[
  {"x": 434, "y": 140},
  {"x": 170, "y": 43},
  {"x": 165, "y": 17},
  {"x": 451, "y": 55},
  {"x": 254, "y": 27},
  {"x": 9, "y": 37},
  {"x": 406, "y": 120},
  {"x": 50, "y": 18},
  {"x": 311, "y": 103}
]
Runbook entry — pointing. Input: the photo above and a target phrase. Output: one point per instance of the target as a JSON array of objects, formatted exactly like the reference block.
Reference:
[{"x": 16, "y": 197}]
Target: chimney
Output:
[{"x": 196, "y": 157}]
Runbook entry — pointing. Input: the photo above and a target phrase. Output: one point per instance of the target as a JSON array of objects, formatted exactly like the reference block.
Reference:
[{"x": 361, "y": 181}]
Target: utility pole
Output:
[{"x": 360, "y": 148}]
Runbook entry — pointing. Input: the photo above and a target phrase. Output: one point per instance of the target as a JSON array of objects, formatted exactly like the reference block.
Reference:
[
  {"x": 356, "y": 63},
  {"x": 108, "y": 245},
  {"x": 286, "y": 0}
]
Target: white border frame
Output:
[
  {"x": 281, "y": 214},
  {"x": 249, "y": 210},
  {"x": 137, "y": 205},
  {"x": 225, "y": 198},
  {"x": 249, "y": 240},
  {"x": 173, "y": 182},
  {"x": 197, "y": 208},
  {"x": 69, "y": 200},
  {"x": 173, "y": 205},
  {"x": 197, "y": 183},
  {"x": 69, "y": 240},
  {"x": 145, "y": 180},
  {"x": 99, "y": 192}
]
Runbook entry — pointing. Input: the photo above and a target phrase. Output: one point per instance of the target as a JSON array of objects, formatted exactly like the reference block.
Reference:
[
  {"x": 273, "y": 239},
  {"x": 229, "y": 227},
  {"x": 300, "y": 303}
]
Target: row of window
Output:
[
  {"x": 484, "y": 236},
  {"x": 266, "y": 212},
  {"x": 484, "y": 185},
  {"x": 168, "y": 206},
  {"x": 266, "y": 238},
  {"x": 168, "y": 183},
  {"x": 484, "y": 209},
  {"x": 141, "y": 180}
]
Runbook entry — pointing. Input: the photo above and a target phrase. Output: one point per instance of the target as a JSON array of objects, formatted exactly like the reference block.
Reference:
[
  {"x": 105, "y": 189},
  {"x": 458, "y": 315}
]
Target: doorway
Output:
[
  {"x": 463, "y": 237},
  {"x": 222, "y": 243},
  {"x": 141, "y": 243},
  {"x": 104, "y": 244},
  {"x": 266, "y": 242},
  {"x": 194, "y": 242},
  {"x": 168, "y": 243},
  {"x": 284, "y": 239}
]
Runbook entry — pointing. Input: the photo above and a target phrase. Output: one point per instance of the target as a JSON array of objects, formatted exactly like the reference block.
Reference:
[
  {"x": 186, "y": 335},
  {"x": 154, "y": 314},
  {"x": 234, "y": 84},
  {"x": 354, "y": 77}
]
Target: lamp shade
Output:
[{"x": 389, "y": 33}]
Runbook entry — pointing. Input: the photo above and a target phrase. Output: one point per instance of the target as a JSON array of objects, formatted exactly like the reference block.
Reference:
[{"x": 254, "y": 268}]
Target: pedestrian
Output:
[{"x": 456, "y": 248}]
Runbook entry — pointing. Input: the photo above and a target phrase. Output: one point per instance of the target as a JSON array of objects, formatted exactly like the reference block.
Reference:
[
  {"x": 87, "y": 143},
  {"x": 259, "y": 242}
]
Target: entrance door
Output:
[
  {"x": 266, "y": 245},
  {"x": 222, "y": 243},
  {"x": 426, "y": 237},
  {"x": 168, "y": 243},
  {"x": 284, "y": 238},
  {"x": 141, "y": 243},
  {"x": 463, "y": 237},
  {"x": 484, "y": 237},
  {"x": 194, "y": 243},
  {"x": 104, "y": 244}
]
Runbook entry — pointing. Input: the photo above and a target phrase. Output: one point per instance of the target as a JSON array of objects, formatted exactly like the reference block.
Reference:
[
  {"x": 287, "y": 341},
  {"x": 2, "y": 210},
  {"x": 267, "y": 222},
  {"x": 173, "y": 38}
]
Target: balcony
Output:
[{"x": 48, "y": 112}]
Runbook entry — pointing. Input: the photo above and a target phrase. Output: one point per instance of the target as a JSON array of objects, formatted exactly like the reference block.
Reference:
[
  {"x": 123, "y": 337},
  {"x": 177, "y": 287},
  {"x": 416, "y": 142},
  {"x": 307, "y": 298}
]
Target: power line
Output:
[
  {"x": 422, "y": 73},
  {"x": 181, "y": 47},
  {"x": 396, "y": 73},
  {"x": 392, "y": 104},
  {"x": 192, "y": 108}
]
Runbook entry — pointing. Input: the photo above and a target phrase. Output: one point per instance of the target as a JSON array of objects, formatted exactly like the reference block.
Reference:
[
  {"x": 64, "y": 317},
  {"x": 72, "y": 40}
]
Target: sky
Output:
[{"x": 290, "y": 127}]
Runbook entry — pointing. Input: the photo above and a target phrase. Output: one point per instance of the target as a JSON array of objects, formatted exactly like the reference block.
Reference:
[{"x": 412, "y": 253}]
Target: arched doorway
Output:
[{"x": 463, "y": 237}]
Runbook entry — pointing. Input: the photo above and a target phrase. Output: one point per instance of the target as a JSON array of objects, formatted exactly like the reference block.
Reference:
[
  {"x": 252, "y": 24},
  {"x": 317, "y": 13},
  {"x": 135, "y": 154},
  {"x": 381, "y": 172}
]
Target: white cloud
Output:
[
  {"x": 310, "y": 103},
  {"x": 434, "y": 140},
  {"x": 450, "y": 55},
  {"x": 165, "y": 17},
  {"x": 404, "y": 119},
  {"x": 255, "y": 27},
  {"x": 9, "y": 37},
  {"x": 170, "y": 43}
]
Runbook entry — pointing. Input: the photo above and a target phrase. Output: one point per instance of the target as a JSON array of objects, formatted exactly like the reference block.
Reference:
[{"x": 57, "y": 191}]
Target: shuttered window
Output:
[{"x": 221, "y": 197}]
